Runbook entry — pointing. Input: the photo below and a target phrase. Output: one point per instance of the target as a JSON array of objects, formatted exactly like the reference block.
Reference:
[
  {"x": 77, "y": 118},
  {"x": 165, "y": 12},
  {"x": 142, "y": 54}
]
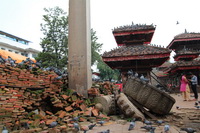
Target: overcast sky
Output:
[{"x": 23, "y": 18}]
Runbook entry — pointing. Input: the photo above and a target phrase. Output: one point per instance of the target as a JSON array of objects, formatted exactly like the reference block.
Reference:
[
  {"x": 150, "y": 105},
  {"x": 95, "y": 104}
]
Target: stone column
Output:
[{"x": 79, "y": 65}]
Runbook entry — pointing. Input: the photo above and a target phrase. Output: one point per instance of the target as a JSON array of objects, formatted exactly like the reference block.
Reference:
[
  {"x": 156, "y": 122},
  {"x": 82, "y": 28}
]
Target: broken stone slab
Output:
[
  {"x": 148, "y": 96},
  {"x": 128, "y": 108}
]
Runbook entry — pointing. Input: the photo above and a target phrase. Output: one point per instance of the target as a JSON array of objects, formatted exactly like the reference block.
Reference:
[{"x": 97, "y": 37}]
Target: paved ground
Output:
[{"x": 115, "y": 127}]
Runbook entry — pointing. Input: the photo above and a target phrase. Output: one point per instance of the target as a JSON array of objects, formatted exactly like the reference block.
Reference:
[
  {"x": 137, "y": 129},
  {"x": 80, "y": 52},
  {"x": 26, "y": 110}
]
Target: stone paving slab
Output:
[{"x": 119, "y": 128}]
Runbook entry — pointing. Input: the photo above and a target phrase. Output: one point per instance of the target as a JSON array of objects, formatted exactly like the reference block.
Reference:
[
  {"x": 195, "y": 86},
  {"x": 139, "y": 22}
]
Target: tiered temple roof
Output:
[
  {"x": 133, "y": 34},
  {"x": 184, "y": 65},
  {"x": 187, "y": 48},
  {"x": 187, "y": 35},
  {"x": 186, "y": 54},
  {"x": 133, "y": 51},
  {"x": 139, "y": 57},
  {"x": 133, "y": 27},
  {"x": 185, "y": 40},
  {"x": 138, "y": 51}
]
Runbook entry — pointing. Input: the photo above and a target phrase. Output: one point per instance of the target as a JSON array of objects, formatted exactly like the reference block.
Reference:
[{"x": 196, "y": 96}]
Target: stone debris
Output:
[
  {"x": 35, "y": 99},
  {"x": 128, "y": 108}
]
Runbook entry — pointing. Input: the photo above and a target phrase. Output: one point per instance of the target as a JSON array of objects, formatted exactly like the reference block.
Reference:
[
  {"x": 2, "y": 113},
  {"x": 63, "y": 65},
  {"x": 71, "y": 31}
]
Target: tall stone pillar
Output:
[{"x": 79, "y": 65}]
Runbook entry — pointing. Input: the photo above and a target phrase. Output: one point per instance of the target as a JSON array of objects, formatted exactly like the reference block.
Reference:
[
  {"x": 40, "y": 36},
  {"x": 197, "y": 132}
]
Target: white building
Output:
[{"x": 16, "y": 45}]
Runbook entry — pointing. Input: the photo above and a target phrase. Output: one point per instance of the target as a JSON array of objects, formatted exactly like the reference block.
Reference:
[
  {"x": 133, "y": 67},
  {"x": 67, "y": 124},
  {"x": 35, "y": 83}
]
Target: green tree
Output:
[
  {"x": 95, "y": 48},
  {"x": 55, "y": 41},
  {"x": 106, "y": 73}
]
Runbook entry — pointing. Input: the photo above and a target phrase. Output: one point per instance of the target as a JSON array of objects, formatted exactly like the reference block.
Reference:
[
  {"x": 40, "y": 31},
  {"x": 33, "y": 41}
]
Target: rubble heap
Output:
[{"x": 35, "y": 97}]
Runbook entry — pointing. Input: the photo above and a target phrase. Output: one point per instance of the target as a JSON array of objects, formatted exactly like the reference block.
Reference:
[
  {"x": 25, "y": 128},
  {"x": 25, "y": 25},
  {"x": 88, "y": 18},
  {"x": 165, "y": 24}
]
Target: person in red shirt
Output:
[{"x": 120, "y": 86}]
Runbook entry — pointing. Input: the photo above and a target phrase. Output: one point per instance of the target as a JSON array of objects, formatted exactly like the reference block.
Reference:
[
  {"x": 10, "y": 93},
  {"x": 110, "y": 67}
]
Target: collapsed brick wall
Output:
[
  {"x": 22, "y": 91},
  {"x": 26, "y": 79}
]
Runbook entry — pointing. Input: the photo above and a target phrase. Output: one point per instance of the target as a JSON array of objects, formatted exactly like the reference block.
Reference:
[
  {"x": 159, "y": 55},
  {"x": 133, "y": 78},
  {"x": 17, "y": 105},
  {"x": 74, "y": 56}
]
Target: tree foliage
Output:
[
  {"x": 95, "y": 48},
  {"x": 55, "y": 41},
  {"x": 106, "y": 73},
  {"x": 55, "y": 44}
]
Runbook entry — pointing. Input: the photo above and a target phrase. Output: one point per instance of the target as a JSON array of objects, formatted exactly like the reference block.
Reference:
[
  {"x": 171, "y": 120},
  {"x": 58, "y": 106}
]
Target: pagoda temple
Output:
[
  {"x": 187, "y": 49},
  {"x": 134, "y": 51}
]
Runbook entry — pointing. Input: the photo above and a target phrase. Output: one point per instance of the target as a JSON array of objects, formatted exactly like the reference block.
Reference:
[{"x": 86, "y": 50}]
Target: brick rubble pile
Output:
[{"x": 37, "y": 99}]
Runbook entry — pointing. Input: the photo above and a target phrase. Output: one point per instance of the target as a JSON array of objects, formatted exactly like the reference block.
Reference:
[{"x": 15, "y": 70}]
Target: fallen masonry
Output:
[
  {"x": 32, "y": 101},
  {"x": 35, "y": 98},
  {"x": 138, "y": 94}
]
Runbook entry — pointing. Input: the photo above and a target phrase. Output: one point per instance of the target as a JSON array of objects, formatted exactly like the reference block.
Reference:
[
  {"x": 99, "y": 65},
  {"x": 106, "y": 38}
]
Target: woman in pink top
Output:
[{"x": 184, "y": 88}]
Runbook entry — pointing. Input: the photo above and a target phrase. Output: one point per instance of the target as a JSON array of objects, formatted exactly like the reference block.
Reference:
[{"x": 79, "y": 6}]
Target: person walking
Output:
[
  {"x": 184, "y": 88},
  {"x": 194, "y": 83}
]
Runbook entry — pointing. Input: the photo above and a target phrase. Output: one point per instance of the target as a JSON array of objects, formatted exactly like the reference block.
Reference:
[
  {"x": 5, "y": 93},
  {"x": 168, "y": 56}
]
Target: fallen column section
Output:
[
  {"x": 148, "y": 96},
  {"x": 128, "y": 108}
]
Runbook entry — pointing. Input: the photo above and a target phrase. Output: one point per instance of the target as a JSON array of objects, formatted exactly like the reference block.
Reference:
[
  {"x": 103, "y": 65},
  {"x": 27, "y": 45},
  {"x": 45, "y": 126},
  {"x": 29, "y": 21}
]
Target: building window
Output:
[
  {"x": 20, "y": 41},
  {"x": 3, "y": 48},
  {"x": 34, "y": 55},
  {"x": 10, "y": 50},
  {"x": 16, "y": 52},
  {"x": 24, "y": 54}
]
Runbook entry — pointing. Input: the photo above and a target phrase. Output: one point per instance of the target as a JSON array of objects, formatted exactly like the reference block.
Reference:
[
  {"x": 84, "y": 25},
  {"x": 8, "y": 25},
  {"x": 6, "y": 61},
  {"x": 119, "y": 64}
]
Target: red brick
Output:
[
  {"x": 48, "y": 112},
  {"x": 12, "y": 100},
  {"x": 69, "y": 108},
  {"x": 17, "y": 106},
  {"x": 18, "y": 95},
  {"x": 65, "y": 96},
  {"x": 9, "y": 109},
  {"x": 62, "y": 114},
  {"x": 13, "y": 90},
  {"x": 83, "y": 107},
  {"x": 87, "y": 113},
  {"x": 95, "y": 112}
]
